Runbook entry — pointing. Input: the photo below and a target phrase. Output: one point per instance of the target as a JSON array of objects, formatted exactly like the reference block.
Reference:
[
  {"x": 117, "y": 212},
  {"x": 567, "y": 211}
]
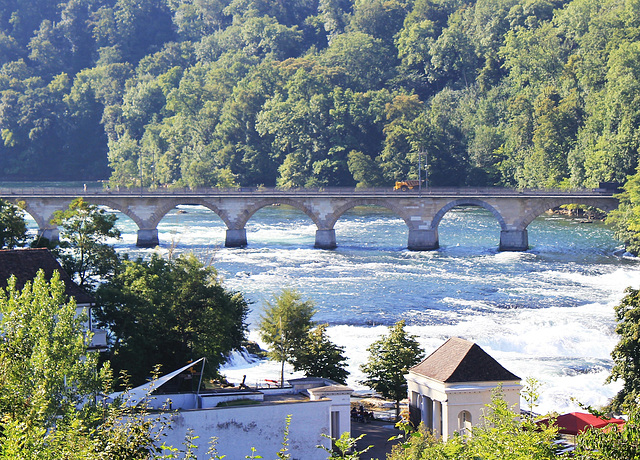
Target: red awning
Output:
[{"x": 576, "y": 422}]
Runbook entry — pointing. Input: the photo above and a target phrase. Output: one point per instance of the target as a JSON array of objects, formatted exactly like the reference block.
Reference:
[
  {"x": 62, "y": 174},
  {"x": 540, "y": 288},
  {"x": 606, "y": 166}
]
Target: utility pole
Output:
[
  {"x": 426, "y": 170},
  {"x": 419, "y": 173}
]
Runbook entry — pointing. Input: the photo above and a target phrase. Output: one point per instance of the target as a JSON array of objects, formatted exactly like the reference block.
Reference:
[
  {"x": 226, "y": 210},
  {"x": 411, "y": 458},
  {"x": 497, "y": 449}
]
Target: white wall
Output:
[
  {"x": 260, "y": 426},
  {"x": 450, "y": 399}
]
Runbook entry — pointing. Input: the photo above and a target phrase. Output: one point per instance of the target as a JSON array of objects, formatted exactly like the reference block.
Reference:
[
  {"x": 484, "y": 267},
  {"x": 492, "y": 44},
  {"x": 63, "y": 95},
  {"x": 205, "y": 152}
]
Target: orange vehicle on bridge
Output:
[{"x": 407, "y": 185}]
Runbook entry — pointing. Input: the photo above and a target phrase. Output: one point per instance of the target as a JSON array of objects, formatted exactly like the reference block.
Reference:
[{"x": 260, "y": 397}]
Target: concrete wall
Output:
[
  {"x": 261, "y": 426},
  {"x": 340, "y": 406}
]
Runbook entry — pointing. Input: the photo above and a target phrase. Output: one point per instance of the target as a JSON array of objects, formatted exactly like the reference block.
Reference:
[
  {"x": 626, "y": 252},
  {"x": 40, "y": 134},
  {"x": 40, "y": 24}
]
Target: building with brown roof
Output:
[
  {"x": 24, "y": 265},
  {"x": 449, "y": 389}
]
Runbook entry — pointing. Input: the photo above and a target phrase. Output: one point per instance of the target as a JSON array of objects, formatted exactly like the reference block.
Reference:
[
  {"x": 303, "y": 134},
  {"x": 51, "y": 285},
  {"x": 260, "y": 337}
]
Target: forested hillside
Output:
[{"x": 528, "y": 93}]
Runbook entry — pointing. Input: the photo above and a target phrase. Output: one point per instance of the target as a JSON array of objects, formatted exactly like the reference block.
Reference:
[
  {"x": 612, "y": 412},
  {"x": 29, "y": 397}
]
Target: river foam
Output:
[{"x": 545, "y": 313}]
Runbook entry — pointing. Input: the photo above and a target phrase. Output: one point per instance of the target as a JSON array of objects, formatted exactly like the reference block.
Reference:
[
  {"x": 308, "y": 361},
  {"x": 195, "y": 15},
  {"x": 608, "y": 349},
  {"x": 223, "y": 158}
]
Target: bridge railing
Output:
[{"x": 347, "y": 191}]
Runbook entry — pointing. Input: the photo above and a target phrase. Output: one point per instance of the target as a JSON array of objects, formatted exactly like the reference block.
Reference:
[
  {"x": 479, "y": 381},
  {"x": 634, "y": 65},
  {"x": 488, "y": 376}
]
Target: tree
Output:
[
  {"x": 364, "y": 60},
  {"x": 284, "y": 326},
  {"x": 611, "y": 443},
  {"x": 626, "y": 354},
  {"x": 13, "y": 229},
  {"x": 320, "y": 357},
  {"x": 84, "y": 230},
  {"x": 49, "y": 383},
  {"x": 168, "y": 312},
  {"x": 390, "y": 358},
  {"x": 364, "y": 169},
  {"x": 43, "y": 374},
  {"x": 626, "y": 218}
]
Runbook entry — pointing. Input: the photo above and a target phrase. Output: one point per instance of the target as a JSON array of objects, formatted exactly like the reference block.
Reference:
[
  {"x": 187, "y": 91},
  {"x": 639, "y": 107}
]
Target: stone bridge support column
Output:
[
  {"x": 326, "y": 239},
  {"x": 423, "y": 240},
  {"x": 236, "y": 238},
  {"x": 514, "y": 240},
  {"x": 147, "y": 238}
]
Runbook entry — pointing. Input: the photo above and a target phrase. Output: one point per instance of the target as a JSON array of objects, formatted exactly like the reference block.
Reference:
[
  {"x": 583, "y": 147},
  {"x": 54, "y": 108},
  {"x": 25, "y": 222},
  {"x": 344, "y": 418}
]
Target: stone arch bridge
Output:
[{"x": 421, "y": 210}]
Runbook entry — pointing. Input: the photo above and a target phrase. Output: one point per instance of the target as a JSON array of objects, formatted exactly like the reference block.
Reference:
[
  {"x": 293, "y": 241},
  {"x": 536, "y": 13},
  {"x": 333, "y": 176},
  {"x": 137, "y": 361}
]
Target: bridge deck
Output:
[{"x": 435, "y": 192}]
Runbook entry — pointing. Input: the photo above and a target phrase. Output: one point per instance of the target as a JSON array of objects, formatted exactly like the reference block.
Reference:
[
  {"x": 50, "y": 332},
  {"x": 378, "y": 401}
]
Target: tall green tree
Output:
[
  {"x": 284, "y": 326},
  {"x": 626, "y": 218},
  {"x": 390, "y": 358},
  {"x": 84, "y": 231},
  {"x": 626, "y": 354},
  {"x": 13, "y": 228},
  {"x": 43, "y": 375},
  {"x": 168, "y": 312},
  {"x": 49, "y": 384},
  {"x": 320, "y": 357}
]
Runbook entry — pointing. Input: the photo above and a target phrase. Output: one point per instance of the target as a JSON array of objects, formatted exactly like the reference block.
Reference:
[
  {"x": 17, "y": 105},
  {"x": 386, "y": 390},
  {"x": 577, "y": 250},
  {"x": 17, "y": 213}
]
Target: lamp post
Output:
[{"x": 426, "y": 170}]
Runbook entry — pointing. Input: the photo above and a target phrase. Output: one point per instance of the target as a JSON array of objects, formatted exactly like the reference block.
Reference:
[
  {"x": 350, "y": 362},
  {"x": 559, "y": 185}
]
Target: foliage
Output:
[
  {"x": 13, "y": 228},
  {"x": 344, "y": 448},
  {"x": 626, "y": 219},
  {"x": 318, "y": 356},
  {"x": 284, "y": 326},
  {"x": 499, "y": 435},
  {"x": 43, "y": 375},
  {"x": 49, "y": 384},
  {"x": 169, "y": 312},
  {"x": 531, "y": 393},
  {"x": 390, "y": 358},
  {"x": 502, "y": 435},
  {"x": 84, "y": 232},
  {"x": 626, "y": 353},
  {"x": 611, "y": 443},
  {"x": 223, "y": 93}
]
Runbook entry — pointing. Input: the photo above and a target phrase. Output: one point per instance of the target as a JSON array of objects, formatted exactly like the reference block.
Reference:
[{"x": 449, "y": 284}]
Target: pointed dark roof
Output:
[
  {"x": 458, "y": 360},
  {"x": 25, "y": 263}
]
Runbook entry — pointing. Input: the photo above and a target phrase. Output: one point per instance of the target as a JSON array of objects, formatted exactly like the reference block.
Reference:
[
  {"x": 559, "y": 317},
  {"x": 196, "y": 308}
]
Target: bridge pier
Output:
[
  {"x": 423, "y": 240},
  {"x": 326, "y": 239},
  {"x": 236, "y": 238},
  {"x": 147, "y": 238},
  {"x": 514, "y": 240}
]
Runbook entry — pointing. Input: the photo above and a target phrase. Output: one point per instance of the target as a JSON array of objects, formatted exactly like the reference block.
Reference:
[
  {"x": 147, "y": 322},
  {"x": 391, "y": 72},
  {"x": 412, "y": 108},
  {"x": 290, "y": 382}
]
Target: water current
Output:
[{"x": 545, "y": 313}]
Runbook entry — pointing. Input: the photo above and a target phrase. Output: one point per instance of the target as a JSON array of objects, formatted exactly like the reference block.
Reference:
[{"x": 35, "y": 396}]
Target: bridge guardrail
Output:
[{"x": 346, "y": 191}]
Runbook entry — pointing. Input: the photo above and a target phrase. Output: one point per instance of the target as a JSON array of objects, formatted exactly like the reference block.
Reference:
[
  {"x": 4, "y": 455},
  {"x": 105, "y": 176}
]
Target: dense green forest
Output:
[{"x": 293, "y": 93}]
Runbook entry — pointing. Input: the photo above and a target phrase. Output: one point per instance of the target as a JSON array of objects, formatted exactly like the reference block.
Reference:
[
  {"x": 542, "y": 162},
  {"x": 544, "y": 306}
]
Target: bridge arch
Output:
[
  {"x": 165, "y": 207},
  {"x": 99, "y": 201},
  {"x": 262, "y": 203},
  {"x": 39, "y": 218},
  {"x": 339, "y": 211},
  {"x": 467, "y": 202},
  {"x": 551, "y": 203}
]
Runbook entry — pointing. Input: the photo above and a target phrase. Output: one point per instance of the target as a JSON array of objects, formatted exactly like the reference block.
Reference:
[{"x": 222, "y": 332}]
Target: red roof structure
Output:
[{"x": 574, "y": 423}]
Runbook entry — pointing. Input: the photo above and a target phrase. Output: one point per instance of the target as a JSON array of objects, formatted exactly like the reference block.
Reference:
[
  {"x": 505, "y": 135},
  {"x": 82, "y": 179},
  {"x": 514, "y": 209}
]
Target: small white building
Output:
[
  {"x": 242, "y": 418},
  {"x": 449, "y": 390}
]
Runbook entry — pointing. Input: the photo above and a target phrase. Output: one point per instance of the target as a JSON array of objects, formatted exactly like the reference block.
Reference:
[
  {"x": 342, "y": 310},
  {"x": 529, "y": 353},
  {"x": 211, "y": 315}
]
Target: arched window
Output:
[{"x": 464, "y": 423}]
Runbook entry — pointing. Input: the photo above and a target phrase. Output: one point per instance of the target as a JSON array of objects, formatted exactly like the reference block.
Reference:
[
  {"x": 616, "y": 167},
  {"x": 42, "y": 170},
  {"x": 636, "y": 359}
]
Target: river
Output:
[{"x": 545, "y": 313}]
